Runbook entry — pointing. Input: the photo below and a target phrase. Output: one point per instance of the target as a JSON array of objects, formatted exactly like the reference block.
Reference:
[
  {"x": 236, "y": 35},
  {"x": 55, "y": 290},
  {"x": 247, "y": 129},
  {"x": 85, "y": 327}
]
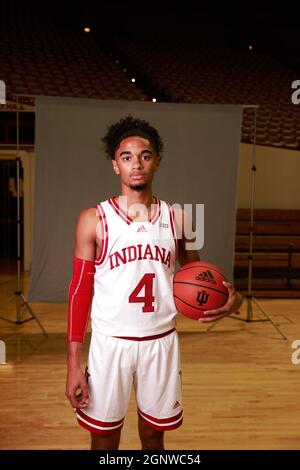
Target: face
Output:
[{"x": 135, "y": 162}]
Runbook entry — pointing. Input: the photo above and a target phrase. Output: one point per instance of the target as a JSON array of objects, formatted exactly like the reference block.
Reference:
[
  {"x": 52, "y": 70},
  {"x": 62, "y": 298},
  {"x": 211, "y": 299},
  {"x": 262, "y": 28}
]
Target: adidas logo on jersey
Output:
[
  {"x": 206, "y": 276},
  {"x": 142, "y": 229},
  {"x": 176, "y": 404}
]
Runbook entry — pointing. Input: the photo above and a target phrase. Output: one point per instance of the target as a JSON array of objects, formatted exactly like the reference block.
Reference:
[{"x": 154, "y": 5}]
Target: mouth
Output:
[{"x": 138, "y": 176}]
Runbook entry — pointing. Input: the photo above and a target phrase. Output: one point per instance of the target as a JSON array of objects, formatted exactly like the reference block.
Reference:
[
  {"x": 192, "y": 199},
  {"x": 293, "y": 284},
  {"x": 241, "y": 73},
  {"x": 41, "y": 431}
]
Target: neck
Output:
[{"x": 144, "y": 197}]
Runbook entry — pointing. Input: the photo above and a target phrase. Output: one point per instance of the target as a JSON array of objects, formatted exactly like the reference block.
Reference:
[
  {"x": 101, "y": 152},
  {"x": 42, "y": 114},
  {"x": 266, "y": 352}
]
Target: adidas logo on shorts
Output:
[
  {"x": 206, "y": 276},
  {"x": 176, "y": 404}
]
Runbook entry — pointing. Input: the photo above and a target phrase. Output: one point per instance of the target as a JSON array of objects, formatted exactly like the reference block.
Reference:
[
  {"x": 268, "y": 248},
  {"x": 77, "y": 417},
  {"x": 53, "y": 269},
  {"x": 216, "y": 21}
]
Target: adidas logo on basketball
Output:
[
  {"x": 206, "y": 276},
  {"x": 142, "y": 229}
]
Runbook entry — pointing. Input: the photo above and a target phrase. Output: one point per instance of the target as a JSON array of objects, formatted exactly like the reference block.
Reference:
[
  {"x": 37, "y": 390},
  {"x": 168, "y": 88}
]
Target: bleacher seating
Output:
[
  {"x": 61, "y": 64},
  {"x": 192, "y": 71},
  {"x": 276, "y": 251}
]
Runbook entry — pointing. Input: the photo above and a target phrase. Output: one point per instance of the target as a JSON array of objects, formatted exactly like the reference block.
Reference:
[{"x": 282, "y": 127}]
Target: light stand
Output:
[
  {"x": 22, "y": 302},
  {"x": 249, "y": 297}
]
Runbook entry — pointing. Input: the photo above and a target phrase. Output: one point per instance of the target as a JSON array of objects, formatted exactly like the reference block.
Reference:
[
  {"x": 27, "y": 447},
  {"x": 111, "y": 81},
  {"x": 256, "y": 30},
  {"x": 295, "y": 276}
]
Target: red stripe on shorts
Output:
[
  {"x": 165, "y": 424},
  {"x": 102, "y": 424}
]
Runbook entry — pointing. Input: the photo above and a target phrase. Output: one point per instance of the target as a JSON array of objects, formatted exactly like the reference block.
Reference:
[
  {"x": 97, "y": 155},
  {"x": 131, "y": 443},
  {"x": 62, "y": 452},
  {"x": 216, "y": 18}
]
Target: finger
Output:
[
  {"x": 227, "y": 284},
  {"x": 81, "y": 400},
  {"x": 210, "y": 319},
  {"x": 84, "y": 395},
  {"x": 84, "y": 391},
  {"x": 229, "y": 287},
  {"x": 212, "y": 313},
  {"x": 74, "y": 402},
  {"x": 83, "y": 404}
]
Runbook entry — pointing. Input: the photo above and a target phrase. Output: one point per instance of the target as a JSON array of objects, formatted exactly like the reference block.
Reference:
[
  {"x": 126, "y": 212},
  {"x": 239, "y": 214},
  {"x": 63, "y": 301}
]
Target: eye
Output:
[
  {"x": 126, "y": 159},
  {"x": 146, "y": 157}
]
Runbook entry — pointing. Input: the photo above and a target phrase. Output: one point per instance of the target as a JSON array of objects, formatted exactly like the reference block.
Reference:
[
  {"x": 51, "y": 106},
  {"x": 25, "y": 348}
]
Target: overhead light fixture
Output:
[
  {"x": 87, "y": 29},
  {"x": 154, "y": 100}
]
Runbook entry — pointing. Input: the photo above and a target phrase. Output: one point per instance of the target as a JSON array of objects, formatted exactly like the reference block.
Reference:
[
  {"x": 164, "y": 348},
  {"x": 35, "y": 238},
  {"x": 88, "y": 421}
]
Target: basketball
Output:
[{"x": 197, "y": 287}]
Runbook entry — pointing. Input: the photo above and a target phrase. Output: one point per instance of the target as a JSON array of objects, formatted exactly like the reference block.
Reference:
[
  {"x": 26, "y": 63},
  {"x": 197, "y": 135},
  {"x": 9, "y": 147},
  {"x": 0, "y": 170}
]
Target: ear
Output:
[
  {"x": 158, "y": 159},
  {"x": 115, "y": 167}
]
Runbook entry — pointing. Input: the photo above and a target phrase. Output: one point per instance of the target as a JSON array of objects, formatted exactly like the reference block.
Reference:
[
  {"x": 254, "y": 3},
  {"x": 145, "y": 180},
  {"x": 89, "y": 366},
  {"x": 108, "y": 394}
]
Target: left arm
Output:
[{"x": 185, "y": 256}]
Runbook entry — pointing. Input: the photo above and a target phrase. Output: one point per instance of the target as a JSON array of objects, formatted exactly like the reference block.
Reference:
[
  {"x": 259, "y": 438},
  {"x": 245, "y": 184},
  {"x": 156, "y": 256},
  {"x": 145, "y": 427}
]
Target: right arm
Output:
[{"x": 79, "y": 300}]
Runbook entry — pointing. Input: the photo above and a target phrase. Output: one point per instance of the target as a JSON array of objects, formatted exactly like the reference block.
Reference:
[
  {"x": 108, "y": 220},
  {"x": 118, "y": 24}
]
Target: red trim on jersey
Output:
[
  {"x": 172, "y": 221},
  {"x": 158, "y": 211},
  {"x": 146, "y": 338},
  {"x": 114, "y": 204},
  {"x": 103, "y": 221},
  {"x": 165, "y": 424},
  {"x": 112, "y": 201},
  {"x": 93, "y": 423}
]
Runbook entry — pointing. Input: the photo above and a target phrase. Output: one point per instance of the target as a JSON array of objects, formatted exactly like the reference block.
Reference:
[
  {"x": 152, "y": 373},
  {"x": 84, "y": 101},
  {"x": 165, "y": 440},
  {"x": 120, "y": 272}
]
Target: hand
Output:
[
  {"x": 232, "y": 305},
  {"x": 76, "y": 388}
]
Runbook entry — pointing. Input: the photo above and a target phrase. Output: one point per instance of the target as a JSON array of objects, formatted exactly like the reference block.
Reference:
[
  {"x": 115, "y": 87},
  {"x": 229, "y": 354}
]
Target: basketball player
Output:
[{"x": 124, "y": 259}]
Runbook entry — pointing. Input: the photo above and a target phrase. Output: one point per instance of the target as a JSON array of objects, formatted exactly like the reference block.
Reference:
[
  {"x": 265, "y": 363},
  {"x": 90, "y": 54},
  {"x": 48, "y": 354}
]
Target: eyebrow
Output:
[{"x": 126, "y": 152}]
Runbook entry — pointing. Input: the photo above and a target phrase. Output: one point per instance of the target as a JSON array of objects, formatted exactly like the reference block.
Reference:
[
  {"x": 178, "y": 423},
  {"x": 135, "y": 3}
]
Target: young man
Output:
[{"x": 124, "y": 260}]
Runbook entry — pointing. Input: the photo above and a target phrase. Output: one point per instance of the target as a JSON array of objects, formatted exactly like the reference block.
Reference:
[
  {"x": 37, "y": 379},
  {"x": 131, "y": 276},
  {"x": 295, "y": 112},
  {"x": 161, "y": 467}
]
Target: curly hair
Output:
[{"x": 130, "y": 126}]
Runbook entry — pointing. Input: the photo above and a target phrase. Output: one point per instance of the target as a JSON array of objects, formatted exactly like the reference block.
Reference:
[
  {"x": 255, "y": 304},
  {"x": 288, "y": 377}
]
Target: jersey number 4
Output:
[{"x": 147, "y": 299}]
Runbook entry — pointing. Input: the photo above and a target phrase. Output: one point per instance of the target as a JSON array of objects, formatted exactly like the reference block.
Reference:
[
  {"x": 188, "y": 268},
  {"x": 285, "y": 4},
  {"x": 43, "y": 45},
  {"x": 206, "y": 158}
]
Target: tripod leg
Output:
[
  {"x": 32, "y": 313},
  {"x": 249, "y": 308},
  {"x": 269, "y": 318}
]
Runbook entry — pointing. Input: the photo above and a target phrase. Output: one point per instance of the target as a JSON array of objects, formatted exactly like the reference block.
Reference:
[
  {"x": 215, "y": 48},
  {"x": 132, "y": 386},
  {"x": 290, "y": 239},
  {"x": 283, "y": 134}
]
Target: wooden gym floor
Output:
[{"x": 240, "y": 387}]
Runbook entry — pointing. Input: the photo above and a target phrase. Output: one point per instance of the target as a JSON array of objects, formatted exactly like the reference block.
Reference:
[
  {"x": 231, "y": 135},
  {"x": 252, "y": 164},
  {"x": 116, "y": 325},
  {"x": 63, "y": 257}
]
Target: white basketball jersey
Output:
[{"x": 133, "y": 283}]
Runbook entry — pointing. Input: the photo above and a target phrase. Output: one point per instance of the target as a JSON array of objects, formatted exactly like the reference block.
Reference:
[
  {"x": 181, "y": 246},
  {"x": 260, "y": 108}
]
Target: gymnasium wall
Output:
[{"x": 276, "y": 178}]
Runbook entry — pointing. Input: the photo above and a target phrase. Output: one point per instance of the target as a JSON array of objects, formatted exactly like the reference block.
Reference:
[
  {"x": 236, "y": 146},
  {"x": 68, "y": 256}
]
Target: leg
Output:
[
  {"x": 150, "y": 438},
  {"x": 105, "y": 441},
  {"x": 158, "y": 405},
  {"x": 109, "y": 368}
]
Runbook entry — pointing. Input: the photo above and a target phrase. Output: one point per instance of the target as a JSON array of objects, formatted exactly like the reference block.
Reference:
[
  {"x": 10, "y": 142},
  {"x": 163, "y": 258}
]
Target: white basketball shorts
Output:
[{"x": 152, "y": 366}]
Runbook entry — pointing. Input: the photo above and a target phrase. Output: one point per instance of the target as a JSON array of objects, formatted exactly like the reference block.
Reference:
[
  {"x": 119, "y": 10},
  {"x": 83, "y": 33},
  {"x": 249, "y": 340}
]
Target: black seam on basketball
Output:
[
  {"x": 202, "y": 285},
  {"x": 206, "y": 267},
  {"x": 197, "y": 308}
]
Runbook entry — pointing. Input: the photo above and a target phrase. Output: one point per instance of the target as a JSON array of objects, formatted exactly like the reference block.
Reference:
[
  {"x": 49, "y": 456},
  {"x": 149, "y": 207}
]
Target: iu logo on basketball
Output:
[{"x": 202, "y": 297}]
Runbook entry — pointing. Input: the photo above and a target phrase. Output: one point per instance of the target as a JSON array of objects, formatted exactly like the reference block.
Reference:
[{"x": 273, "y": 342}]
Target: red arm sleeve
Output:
[{"x": 80, "y": 296}]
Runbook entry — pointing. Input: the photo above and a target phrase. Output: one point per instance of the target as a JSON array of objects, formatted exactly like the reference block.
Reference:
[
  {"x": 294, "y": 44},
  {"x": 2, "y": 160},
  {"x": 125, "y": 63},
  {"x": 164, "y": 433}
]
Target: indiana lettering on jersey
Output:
[{"x": 140, "y": 252}]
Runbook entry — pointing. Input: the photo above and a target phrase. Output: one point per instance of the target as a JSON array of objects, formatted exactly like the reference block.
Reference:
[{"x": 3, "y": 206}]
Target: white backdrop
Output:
[{"x": 199, "y": 165}]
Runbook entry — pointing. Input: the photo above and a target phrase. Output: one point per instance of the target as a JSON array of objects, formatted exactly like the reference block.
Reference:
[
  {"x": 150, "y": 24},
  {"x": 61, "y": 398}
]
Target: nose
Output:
[{"x": 137, "y": 162}]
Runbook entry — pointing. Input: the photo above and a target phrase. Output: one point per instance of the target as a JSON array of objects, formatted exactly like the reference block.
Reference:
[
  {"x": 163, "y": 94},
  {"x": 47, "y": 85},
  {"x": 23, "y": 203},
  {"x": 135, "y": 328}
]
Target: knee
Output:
[
  {"x": 151, "y": 438},
  {"x": 155, "y": 442},
  {"x": 105, "y": 441}
]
